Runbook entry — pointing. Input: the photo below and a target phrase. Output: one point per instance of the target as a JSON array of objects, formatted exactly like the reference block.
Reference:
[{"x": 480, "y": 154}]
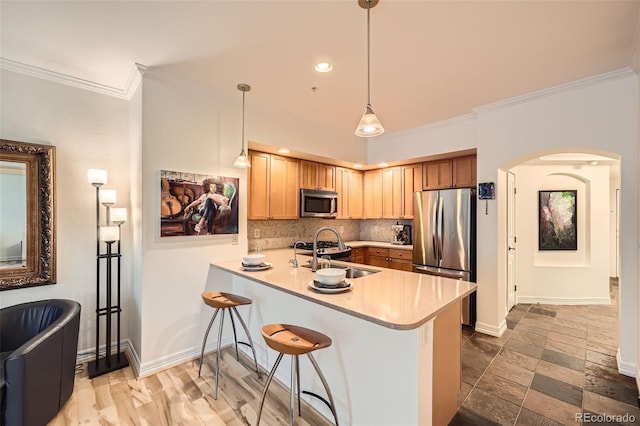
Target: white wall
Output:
[
  {"x": 565, "y": 276},
  {"x": 187, "y": 128},
  {"x": 597, "y": 115},
  {"x": 89, "y": 130}
]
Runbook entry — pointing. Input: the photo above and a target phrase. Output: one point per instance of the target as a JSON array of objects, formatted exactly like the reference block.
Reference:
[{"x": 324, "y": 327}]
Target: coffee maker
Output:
[{"x": 401, "y": 234}]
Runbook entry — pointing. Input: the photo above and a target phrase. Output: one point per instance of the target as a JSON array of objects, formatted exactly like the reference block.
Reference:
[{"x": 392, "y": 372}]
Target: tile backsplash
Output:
[{"x": 283, "y": 233}]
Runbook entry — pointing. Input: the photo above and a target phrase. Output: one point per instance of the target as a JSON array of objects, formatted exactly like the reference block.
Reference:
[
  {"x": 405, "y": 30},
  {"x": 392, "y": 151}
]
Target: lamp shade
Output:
[
  {"x": 97, "y": 177},
  {"x": 108, "y": 197},
  {"x": 118, "y": 215},
  {"x": 242, "y": 160},
  {"x": 369, "y": 124},
  {"x": 109, "y": 233}
]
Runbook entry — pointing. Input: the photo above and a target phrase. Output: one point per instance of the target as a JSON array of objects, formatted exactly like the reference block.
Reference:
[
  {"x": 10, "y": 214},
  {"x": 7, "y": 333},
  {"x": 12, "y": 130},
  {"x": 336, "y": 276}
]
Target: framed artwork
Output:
[
  {"x": 557, "y": 220},
  {"x": 196, "y": 204}
]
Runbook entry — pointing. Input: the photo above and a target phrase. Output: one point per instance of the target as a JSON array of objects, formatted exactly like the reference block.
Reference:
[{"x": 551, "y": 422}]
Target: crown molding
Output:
[
  {"x": 132, "y": 82},
  {"x": 577, "y": 84}
]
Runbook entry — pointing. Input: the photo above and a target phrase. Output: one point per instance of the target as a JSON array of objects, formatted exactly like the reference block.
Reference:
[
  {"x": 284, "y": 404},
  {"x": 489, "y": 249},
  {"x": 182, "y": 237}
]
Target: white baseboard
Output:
[
  {"x": 626, "y": 368},
  {"x": 492, "y": 330},
  {"x": 563, "y": 300}
]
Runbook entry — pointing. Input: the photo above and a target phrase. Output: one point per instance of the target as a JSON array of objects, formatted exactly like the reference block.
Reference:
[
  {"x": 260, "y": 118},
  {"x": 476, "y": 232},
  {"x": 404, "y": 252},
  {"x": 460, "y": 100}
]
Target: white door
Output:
[{"x": 511, "y": 240}]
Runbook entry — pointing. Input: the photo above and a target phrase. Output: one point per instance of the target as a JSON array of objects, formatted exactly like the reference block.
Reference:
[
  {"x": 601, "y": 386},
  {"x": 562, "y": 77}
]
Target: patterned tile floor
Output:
[{"x": 554, "y": 364}]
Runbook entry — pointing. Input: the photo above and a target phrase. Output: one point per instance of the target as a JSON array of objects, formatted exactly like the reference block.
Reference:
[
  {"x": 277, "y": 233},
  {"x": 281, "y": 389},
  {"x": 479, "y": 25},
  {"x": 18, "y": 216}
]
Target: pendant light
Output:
[
  {"x": 369, "y": 124},
  {"x": 243, "y": 160}
]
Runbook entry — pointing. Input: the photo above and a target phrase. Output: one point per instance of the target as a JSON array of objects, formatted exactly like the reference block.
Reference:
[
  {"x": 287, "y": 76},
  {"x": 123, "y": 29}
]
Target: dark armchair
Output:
[{"x": 38, "y": 346}]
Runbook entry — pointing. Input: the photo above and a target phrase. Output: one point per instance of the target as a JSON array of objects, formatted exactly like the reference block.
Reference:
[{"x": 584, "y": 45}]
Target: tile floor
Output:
[{"x": 553, "y": 364}]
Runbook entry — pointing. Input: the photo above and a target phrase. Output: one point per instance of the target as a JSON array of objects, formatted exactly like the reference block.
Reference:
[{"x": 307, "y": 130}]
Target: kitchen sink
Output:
[{"x": 352, "y": 272}]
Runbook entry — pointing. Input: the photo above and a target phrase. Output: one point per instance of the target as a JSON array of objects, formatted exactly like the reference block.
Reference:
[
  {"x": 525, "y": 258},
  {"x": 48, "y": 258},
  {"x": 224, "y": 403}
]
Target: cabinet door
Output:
[
  {"x": 355, "y": 194},
  {"x": 373, "y": 191},
  {"x": 342, "y": 188},
  {"x": 411, "y": 182},
  {"x": 437, "y": 174},
  {"x": 401, "y": 264},
  {"x": 308, "y": 175},
  {"x": 283, "y": 194},
  {"x": 392, "y": 193},
  {"x": 377, "y": 257},
  {"x": 326, "y": 177},
  {"x": 464, "y": 172},
  {"x": 258, "y": 179},
  {"x": 401, "y": 259}
]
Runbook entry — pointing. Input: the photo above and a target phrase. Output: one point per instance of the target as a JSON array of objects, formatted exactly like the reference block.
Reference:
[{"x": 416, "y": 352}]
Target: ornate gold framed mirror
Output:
[{"x": 27, "y": 215}]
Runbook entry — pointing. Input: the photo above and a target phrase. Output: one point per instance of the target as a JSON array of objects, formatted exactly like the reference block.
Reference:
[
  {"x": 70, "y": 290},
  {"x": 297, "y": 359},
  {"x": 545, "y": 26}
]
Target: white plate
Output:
[
  {"x": 264, "y": 266},
  {"x": 329, "y": 290}
]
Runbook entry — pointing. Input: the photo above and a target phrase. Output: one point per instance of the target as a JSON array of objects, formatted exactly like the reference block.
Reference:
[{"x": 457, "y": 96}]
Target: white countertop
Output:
[{"x": 391, "y": 298}]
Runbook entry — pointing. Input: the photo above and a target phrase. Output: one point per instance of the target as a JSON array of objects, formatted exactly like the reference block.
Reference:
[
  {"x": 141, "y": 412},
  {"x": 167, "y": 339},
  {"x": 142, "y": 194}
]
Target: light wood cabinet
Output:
[
  {"x": 349, "y": 189},
  {"x": 273, "y": 187},
  {"x": 389, "y": 258},
  {"x": 411, "y": 182},
  {"x": 459, "y": 172},
  {"x": 373, "y": 194},
  {"x": 392, "y": 193},
  {"x": 317, "y": 176},
  {"x": 358, "y": 255},
  {"x": 401, "y": 259},
  {"x": 377, "y": 257},
  {"x": 464, "y": 173}
]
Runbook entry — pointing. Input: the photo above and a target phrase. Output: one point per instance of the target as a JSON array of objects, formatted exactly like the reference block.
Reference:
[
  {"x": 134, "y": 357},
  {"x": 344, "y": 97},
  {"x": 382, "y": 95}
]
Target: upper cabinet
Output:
[
  {"x": 459, "y": 172},
  {"x": 389, "y": 192},
  {"x": 273, "y": 187},
  {"x": 317, "y": 176},
  {"x": 411, "y": 182},
  {"x": 373, "y": 194},
  {"x": 349, "y": 189}
]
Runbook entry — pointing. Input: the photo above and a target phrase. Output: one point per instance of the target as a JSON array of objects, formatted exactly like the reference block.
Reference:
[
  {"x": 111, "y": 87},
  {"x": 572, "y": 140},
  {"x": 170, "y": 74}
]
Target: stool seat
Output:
[
  {"x": 293, "y": 340},
  {"x": 216, "y": 299},
  {"x": 225, "y": 302},
  {"x": 287, "y": 339}
]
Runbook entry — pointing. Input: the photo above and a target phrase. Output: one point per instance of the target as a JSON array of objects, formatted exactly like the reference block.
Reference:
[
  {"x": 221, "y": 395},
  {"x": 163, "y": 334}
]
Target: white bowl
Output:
[
  {"x": 331, "y": 276},
  {"x": 253, "y": 259}
]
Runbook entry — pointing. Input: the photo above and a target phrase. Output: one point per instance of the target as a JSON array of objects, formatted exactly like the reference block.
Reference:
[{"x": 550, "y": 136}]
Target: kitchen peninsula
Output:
[{"x": 395, "y": 358}]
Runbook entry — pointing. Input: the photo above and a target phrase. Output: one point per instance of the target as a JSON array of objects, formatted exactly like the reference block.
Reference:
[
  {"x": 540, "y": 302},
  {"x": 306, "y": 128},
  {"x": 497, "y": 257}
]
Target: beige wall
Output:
[{"x": 563, "y": 276}]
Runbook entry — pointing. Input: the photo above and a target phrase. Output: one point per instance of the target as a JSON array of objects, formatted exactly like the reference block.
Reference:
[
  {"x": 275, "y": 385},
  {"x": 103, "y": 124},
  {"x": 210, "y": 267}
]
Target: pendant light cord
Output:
[
  {"x": 243, "y": 93},
  {"x": 368, "y": 54}
]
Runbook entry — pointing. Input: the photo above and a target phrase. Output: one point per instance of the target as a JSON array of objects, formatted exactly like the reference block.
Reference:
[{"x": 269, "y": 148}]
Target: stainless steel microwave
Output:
[{"x": 318, "y": 203}]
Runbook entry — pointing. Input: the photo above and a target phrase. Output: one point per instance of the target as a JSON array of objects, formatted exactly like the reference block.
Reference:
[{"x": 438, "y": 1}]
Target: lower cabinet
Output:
[
  {"x": 358, "y": 255},
  {"x": 401, "y": 259},
  {"x": 388, "y": 258}
]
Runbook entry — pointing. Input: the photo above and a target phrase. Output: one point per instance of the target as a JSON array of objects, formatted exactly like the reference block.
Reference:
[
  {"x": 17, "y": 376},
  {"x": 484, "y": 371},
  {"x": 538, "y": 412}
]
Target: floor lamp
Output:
[{"x": 108, "y": 234}]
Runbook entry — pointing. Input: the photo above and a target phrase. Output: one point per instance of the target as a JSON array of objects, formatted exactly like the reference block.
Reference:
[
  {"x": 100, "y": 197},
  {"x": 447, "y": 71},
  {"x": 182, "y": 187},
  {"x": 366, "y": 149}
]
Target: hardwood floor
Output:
[
  {"x": 553, "y": 363},
  {"x": 178, "y": 397}
]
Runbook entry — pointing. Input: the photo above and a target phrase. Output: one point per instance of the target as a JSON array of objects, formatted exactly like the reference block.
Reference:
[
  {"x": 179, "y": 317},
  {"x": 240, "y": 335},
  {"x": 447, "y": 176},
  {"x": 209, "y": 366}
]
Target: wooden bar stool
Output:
[
  {"x": 222, "y": 302},
  {"x": 294, "y": 340}
]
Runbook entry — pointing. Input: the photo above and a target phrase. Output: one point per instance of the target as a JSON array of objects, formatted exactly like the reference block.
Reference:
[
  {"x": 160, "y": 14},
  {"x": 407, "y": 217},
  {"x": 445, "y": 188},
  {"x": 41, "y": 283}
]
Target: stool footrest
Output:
[{"x": 318, "y": 396}]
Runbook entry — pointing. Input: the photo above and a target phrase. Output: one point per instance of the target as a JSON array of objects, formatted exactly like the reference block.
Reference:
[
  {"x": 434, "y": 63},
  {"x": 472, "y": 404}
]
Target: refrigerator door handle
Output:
[{"x": 440, "y": 229}]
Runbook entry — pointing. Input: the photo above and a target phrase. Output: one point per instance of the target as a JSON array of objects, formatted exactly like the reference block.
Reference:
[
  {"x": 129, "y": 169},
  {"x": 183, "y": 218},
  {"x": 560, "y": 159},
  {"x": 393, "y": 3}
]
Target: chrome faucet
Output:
[
  {"x": 341, "y": 246},
  {"x": 294, "y": 261}
]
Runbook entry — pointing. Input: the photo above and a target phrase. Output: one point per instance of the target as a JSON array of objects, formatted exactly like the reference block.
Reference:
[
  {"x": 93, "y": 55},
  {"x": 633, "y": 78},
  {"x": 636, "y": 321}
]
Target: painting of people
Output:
[{"x": 196, "y": 204}]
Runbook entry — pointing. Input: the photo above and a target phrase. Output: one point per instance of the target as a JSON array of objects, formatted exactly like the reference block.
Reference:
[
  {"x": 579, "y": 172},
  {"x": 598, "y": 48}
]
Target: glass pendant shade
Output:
[
  {"x": 242, "y": 161},
  {"x": 369, "y": 124}
]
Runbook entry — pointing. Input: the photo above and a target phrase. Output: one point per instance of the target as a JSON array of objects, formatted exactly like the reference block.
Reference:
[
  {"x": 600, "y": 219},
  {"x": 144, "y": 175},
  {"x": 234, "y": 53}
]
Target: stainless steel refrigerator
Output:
[{"x": 444, "y": 238}]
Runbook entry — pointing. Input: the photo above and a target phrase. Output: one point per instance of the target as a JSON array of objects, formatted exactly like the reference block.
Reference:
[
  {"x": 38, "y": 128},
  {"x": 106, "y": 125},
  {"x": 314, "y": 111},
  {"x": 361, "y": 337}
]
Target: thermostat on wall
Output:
[{"x": 486, "y": 191}]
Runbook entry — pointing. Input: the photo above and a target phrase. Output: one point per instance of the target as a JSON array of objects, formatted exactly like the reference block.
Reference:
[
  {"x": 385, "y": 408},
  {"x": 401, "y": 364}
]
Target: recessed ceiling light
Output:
[
  {"x": 283, "y": 151},
  {"x": 324, "y": 67},
  {"x": 357, "y": 166}
]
